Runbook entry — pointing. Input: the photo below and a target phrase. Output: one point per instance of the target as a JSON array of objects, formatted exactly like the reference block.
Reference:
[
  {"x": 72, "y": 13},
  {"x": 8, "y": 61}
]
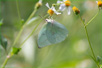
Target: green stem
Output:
[
  {"x": 18, "y": 10},
  {"x": 19, "y": 34},
  {"x": 29, "y": 35},
  {"x": 5, "y": 62},
  {"x": 91, "y": 46},
  {"x": 89, "y": 43},
  {"x": 92, "y": 18},
  {"x": 33, "y": 31}
]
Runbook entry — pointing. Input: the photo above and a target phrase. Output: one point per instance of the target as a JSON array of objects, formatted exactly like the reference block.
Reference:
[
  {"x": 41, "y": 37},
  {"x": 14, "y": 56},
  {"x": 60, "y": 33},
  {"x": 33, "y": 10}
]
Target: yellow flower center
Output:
[
  {"x": 76, "y": 10},
  {"x": 99, "y": 3},
  {"x": 67, "y": 3},
  {"x": 50, "y": 12}
]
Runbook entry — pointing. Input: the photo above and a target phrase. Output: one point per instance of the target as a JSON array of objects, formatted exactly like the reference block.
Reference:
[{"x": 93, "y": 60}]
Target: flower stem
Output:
[
  {"x": 92, "y": 18},
  {"x": 94, "y": 58},
  {"x": 19, "y": 34},
  {"x": 91, "y": 46},
  {"x": 18, "y": 10},
  {"x": 5, "y": 62},
  {"x": 33, "y": 31}
]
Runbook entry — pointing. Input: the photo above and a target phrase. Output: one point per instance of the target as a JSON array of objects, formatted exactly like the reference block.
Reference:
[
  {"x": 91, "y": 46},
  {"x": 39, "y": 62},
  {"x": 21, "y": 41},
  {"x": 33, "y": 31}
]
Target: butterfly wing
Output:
[{"x": 52, "y": 33}]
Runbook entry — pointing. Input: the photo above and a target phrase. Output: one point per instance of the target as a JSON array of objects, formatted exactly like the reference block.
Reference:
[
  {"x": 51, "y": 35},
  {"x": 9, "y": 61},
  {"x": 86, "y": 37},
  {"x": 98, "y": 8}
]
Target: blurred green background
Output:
[{"x": 73, "y": 52}]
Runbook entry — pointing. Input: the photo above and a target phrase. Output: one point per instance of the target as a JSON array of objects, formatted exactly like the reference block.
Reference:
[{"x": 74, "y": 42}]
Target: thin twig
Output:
[{"x": 89, "y": 42}]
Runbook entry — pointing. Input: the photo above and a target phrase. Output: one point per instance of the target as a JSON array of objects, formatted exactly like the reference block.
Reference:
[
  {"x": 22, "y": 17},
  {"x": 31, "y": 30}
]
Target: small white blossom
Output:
[
  {"x": 64, "y": 5},
  {"x": 53, "y": 9}
]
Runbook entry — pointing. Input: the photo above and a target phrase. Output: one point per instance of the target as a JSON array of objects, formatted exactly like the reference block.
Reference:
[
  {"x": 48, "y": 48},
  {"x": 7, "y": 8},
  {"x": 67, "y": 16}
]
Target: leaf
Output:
[
  {"x": 52, "y": 33},
  {"x": 22, "y": 21},
  {"x": 3, "y": 42},
  {"x": 100, "y": 66},
  {"x": 98, "y": 59},
  {"x": 1, "y": 22},
  {"x": 15, "y": 50}
]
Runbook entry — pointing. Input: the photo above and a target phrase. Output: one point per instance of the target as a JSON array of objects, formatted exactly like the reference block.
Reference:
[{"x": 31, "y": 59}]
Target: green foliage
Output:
[
  {"x": 3, "y": 42},
  {"x": 52, "y": 33},
  {"x": 15, "y": 50},
  {"x": 1, "y": 22},
  {"x": 99, "y": 59},
  {"x": 22, "y": 21},
  {"x": 65, "y": 54},
  {"x": 100, "y": 66}
]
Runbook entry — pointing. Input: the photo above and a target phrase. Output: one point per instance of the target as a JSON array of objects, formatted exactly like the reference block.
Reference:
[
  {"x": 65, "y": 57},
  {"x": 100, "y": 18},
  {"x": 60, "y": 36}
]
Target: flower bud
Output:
[
  {"x": 99, "y": 3},
  {"x": 38, "y": 4},
  {"x": 76, "y": 10}
]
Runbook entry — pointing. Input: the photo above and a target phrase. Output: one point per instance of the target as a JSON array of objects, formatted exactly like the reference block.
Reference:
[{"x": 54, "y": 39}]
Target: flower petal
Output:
[
  {"x": 96, "y": 1},
  {"x": 57, "y": 13},
  {"x": 47, "y": 5},
  {"x": 69, "y": 10},
  {"x": 62, "y": 7},
  {"x": 64, "y": 0},
  {"x": 53, "y": 8},
  {"x": 58, "y": 2}
]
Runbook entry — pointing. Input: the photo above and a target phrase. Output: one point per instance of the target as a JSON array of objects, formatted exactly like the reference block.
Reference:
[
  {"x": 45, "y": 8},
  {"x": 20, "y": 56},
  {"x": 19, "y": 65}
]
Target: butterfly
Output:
[{"x": 51, "y": 33}]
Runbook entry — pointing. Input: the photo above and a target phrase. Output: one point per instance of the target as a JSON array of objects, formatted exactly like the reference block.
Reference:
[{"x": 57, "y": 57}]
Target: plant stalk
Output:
[
  {"x": 5, "y": 62},
  {"x": 92, "y": 18},
  {"x": 33, "y": 31},
  {"x": 94, "y": 58},
  {"x": 20, "y": 32}
]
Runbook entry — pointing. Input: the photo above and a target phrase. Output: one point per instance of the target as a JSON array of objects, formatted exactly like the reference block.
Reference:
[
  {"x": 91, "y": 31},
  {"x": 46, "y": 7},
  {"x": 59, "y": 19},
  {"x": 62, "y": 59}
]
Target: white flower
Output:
[
  {"x": 65, "y": 4},
  {"x": 52, "y": 10}
]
